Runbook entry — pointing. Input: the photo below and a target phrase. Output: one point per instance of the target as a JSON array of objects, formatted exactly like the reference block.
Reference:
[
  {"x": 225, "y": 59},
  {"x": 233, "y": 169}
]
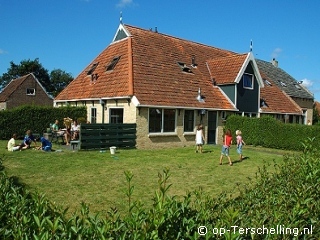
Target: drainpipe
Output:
[{"x": 102, "y": 108}]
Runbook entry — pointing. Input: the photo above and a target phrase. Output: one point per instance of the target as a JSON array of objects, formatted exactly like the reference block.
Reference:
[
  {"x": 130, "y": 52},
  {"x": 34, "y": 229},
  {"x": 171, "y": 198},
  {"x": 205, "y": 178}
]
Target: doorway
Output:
[{"x": 212, "y": 127}]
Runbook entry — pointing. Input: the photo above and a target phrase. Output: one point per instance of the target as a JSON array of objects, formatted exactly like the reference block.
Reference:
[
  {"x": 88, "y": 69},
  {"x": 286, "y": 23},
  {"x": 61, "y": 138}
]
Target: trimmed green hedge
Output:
[
  {"x": 36, "y": 118},
  {"x": 271, "y": 133}
]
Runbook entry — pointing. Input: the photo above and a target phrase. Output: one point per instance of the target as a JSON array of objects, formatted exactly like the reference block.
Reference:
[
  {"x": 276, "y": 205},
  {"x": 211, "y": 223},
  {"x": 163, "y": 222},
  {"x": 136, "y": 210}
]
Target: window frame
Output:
[
  {"x": 93, "y": 115},
  {"x": 250, "y": 78},
  {"x": 31, "y": 91},
  {"x": 162, "y": 121},
  {"x": 116, "y": 115},
  {"x": 188, "y": 124}
]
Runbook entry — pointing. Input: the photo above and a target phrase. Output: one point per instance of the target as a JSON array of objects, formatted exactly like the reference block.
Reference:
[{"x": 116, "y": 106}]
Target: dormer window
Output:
[
  {"x": 113, "y": 63},
  {"x": 282, "y": 84},
  {"x": 31, "y": 91},
  {"x": 92, "y": 68},
  {"x": 297, "y": 86},
  {"x": 247, "y": 80},
  {"x": 184, "y": 67}
]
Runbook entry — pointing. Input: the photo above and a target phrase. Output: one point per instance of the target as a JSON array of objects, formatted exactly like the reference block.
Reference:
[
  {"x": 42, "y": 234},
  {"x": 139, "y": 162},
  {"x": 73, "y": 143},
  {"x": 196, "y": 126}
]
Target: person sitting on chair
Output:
[
  {"x": 55, "y": 128},
  {"x": 75, "y": 129}
]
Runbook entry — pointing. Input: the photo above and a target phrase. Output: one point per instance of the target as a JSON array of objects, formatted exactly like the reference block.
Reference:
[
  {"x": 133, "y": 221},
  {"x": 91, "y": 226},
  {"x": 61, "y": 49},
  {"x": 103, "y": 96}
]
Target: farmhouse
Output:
[
  {"x": 167, "y": 85},
  {"x": 25, "y": 90}
]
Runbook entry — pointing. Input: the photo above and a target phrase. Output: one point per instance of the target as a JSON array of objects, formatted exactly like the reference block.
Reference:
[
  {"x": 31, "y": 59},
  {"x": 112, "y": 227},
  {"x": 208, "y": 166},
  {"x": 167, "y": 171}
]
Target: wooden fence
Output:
[{"x": 103, "y": 136}]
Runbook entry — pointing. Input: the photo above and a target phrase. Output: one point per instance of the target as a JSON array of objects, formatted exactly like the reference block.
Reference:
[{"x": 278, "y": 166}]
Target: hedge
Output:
[
  {"x": 35, "y": 118},
  {"x": 271, "y": 133}
]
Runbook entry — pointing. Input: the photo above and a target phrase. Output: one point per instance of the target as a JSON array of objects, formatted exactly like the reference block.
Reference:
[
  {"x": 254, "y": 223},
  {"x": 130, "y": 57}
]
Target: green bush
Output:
[
  {"x": 287, "y": 197},
  {"x": 271, "y": 133},
  {"x": 36, "y": 118}
]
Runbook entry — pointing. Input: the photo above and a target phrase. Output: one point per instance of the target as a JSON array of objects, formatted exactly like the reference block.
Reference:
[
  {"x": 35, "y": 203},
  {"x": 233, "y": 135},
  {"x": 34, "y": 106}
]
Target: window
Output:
[
  {"x": 184, "y": 67},
  {"x": 267, "y": 82},
  {"x": 162, "y": 120},
  {"x": 113, "y": 63},
  {"x": 282, "y": 84},
  {"x": 247, "y": 81},
  {"x": 116, "y": 115},
  {"x": 188, "y": 125},
  {"x": 169, "y": 120},
  {"x": 92, "y": 68},
  {"x": 93, "y": 115},
  {"x": 31, "y": 91}
]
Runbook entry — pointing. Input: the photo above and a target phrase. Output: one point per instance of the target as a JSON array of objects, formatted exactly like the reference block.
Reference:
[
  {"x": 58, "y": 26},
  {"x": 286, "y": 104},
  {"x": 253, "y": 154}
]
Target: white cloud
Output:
[
  {"x": 2, "y": 51},
  {"x": 124, "y": 3},
  {"x": 276, "y": 52},
  {"x": 307, "y": 83}
]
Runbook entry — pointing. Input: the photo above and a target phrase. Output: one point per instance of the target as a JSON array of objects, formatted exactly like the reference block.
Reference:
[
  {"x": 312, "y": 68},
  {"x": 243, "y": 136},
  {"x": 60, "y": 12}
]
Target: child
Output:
[
  {"x": 227, "y": 141},
  {"x": 240, "y": 143},
  {"x": 199, "y": 138},
  {"x": 45, "y": 145},
  {"x": 12, "y": 144},
  {"x": 28, "y": 139}
]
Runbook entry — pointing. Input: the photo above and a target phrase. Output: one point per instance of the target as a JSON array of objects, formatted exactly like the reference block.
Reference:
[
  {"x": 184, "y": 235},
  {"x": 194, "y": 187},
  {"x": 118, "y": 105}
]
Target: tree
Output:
[
  {"x": 53, "y": 83},
  {"x": 59, "y": 80}
]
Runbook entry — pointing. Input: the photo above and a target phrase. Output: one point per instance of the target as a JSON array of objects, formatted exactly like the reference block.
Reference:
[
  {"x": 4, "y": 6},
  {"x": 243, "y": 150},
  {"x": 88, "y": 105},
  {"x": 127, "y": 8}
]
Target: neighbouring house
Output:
[
  {"x": 25, "y": 90},
  {"x": 167, "y": 85},
  {"x": 298, "y": 94}
]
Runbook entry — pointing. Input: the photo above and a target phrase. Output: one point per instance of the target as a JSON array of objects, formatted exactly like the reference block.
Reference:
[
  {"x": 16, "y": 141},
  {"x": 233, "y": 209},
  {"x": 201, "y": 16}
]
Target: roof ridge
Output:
[{"x": 178, "y": 38}]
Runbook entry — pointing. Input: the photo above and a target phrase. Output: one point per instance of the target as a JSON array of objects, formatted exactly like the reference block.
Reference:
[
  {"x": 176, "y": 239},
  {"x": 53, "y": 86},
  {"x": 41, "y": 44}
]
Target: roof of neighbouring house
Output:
[
  {"x": 14, "y": 84},
  {"x": 283, "y": 80},
  {"x": 274, "y": 100}
]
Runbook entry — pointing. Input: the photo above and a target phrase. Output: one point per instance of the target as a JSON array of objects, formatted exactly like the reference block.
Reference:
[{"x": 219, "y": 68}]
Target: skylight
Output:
[
  {"x": 113, "y": 63},
  {"x": 267, "y": 82},
  {"x": 92, "y": 68},
  {"x": 282, "y": 84},
  {"x": 184, "y": 67},
  {"x": 297, "y": 86}
]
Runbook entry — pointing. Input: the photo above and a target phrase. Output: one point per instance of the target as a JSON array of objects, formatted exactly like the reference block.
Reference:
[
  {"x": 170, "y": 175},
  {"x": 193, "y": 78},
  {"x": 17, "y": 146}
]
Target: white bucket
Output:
[{"x": 113, "y": 150}]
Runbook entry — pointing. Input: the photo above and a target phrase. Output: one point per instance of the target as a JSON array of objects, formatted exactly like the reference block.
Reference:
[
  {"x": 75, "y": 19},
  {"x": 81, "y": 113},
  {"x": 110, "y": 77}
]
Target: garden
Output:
[{"x": 159, "y": 194}]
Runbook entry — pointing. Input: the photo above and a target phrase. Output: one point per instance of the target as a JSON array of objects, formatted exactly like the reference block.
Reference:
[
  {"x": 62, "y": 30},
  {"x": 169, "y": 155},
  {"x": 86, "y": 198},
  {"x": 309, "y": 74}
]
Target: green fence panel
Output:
[{"x": 103, "y": 136}]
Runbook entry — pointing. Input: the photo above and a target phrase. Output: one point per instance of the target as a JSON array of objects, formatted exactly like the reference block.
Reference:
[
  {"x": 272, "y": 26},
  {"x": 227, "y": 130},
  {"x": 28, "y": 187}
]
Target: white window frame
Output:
[
  {"x": 252, "y": 80},
  {"x": 31, "y": 91}
]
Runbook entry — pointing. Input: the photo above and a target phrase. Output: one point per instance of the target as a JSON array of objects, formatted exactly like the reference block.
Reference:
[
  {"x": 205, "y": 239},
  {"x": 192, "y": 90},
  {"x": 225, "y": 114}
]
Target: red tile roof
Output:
[
  {"x": 277, "y": 100},
  {"x": 224, "y": 70},
  {"x": 148, "y": 69}
]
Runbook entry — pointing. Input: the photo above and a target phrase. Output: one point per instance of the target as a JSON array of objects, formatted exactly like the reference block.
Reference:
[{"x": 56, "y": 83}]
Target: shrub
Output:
[
  {"x": 36, "y": 118},
  {"x": 271, "y": 133},
  {"x": 287, "y": 197}
]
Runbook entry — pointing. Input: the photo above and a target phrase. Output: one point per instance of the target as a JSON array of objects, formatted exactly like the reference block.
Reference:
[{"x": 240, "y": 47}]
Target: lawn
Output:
[{"x": 97, "y": 178}]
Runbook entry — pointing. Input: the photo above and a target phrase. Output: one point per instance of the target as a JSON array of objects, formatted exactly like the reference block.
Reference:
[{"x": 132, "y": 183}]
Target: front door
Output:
[{"x": 212, "y": 127}]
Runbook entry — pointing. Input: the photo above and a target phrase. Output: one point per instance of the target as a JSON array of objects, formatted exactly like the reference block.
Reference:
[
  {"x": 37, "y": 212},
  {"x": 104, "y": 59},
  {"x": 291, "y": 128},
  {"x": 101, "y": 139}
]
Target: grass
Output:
[{"x": 69, "y": 178}]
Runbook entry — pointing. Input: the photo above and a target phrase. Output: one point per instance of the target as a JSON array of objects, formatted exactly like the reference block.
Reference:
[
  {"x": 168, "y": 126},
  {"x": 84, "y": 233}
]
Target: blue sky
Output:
[{"x": 69, "y": 34}]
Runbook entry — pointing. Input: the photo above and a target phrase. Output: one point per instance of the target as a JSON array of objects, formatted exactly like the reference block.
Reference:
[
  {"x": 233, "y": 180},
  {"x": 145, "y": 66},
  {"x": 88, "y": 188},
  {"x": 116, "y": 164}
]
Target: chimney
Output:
[
  {"x": 274, "y": 62},
  {"x": 193, "y": 62}
]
